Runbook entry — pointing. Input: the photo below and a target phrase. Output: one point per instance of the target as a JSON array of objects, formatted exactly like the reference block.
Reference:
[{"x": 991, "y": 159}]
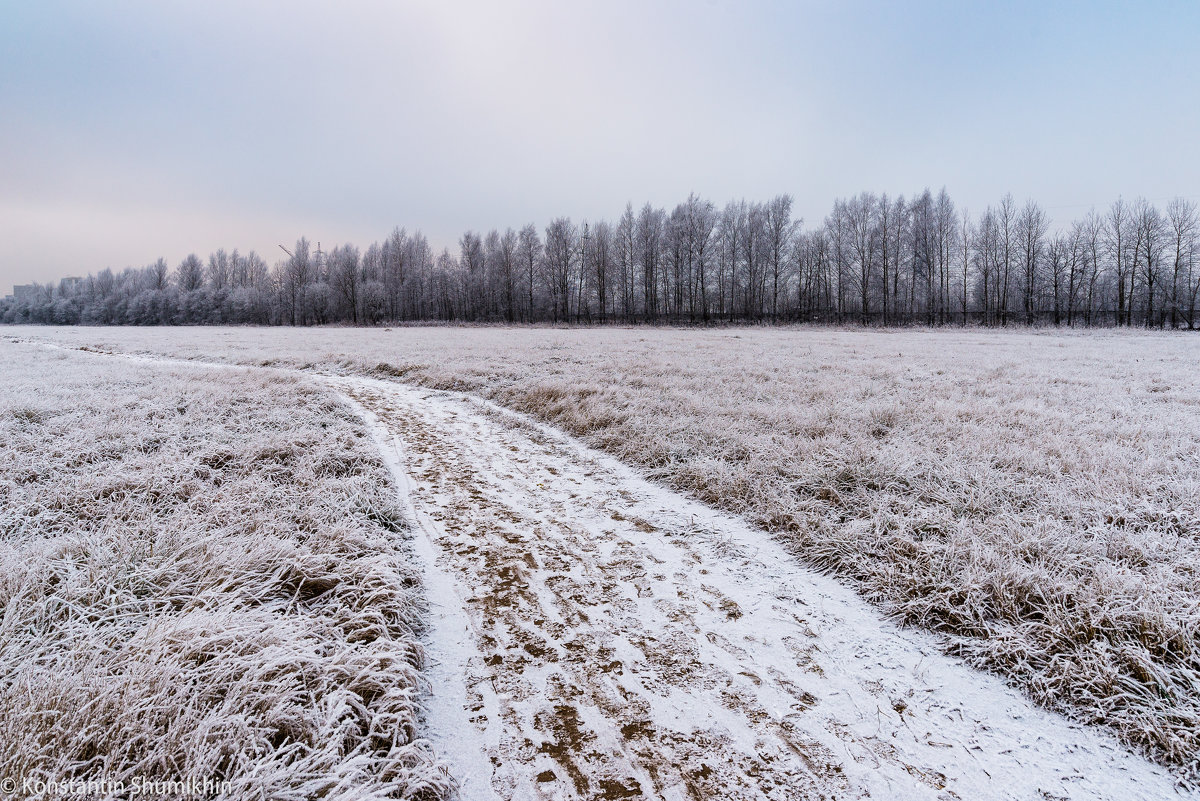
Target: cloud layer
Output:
[{"x": 137, "y": 130}]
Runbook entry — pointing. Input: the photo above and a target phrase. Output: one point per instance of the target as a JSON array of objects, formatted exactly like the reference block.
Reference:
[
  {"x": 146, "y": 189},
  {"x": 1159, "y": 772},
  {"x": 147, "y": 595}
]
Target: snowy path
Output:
[
  {"x": 595, "y": 636},
  {"x": 625, "y": 642}
]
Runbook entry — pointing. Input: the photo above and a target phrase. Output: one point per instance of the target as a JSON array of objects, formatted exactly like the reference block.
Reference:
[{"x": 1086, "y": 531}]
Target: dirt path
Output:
[{"x": 625, "y": 642}]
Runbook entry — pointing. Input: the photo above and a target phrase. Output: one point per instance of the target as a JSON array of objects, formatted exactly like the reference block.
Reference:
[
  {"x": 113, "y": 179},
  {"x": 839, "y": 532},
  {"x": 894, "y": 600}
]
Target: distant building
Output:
[{"x": 24, "y": 291}]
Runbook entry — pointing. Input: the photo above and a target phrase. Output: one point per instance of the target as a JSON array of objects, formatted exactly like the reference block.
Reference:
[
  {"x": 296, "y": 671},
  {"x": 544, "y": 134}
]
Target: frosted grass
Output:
[
  {"x": 203, "y": 575},
  {"x": 1035, "y": 496}
]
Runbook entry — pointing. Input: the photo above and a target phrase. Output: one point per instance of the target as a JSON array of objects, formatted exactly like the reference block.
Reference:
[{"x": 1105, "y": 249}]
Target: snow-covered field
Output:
[
  {"x": 204, "y": 576},
  {"x": 1033, "y": 497}
]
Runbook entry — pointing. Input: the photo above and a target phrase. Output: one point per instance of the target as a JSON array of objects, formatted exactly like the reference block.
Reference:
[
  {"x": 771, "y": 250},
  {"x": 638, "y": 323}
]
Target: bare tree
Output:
[
  {"x": 1148, "y": 254},
  {"x": 159, "y": 275},
  {"x": 529, "y": 251},
  {"x": 989, "y": 252},
  {"x": 700, "y": 219},
  {"x": 602, "y": 264},
  {"x": 734, "y": 233},
  {"x": 945, "y": 234},
  {"x": 1117, "y": 236},
  {"x": 625, "y": 260},
  {"x": 1031, "y": 232},
  {"x": 393, "y": 256},
  {"x": 344, "y": 277},
  {"x": 650, "y": 225},
  {"x": 1077, "y": 259},
  {"x": 190, "y": 273},
  {"x": 862, "y": 230},
  {"x": 754, "y": 244},
  {"x": 964, "y": 243},
  {"x": 1184, "y": 224},
  {"x": 297, "y": 274},
  {"x": 1094, "y": 227},
  {"x": 561, "y": 244},
  {"x": 1006, "y": 220},
  {"x": 219, "y": 269},
  {"x": 779, "y": 228},
  {"x": 471, "y": 261},
  {"x": 508, "y": 272}
]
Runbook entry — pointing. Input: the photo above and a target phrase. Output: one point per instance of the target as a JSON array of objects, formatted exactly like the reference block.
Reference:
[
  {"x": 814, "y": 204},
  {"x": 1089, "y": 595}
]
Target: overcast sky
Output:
[{"x": 132, "y": 130}]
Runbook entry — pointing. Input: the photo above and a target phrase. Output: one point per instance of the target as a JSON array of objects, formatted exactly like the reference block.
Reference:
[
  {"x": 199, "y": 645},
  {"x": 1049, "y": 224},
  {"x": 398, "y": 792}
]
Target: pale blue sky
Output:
[{"x": 132, "y": 130}]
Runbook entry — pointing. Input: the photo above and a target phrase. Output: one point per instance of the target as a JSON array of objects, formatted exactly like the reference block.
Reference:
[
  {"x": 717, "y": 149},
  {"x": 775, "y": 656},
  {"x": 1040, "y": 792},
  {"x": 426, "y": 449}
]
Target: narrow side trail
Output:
[{"x": 611, "y": 639}]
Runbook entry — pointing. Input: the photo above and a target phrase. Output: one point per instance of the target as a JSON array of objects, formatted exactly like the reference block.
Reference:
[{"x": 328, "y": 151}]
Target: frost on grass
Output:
[
  {"x": 202, "y": 576},
  {"x": 1035, "y": 495}
]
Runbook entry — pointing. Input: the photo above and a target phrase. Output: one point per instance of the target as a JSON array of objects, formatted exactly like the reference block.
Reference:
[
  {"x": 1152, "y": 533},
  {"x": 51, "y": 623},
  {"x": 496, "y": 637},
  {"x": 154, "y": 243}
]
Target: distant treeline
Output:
[{"x": 875, "y": 260}]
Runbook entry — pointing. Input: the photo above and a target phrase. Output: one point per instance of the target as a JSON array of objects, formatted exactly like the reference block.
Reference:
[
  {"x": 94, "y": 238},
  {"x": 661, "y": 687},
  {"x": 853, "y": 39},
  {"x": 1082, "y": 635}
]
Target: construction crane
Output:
[{"x": 320, "y": 254}]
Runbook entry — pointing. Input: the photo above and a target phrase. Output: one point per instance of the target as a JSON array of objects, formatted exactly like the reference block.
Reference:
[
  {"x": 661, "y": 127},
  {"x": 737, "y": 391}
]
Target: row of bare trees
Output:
[{"x": 874, "y": 259}]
